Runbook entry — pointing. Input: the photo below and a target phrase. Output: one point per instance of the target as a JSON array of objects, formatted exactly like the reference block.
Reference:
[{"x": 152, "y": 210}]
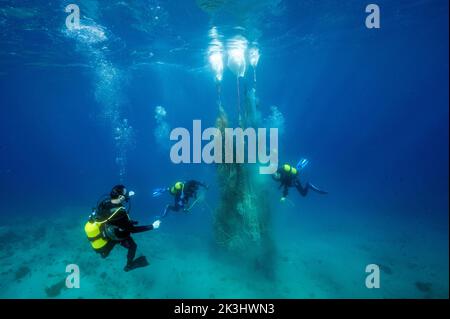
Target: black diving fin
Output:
[
  {"x": 137, "y": 263},
  {"x": 317, "y": 190}
]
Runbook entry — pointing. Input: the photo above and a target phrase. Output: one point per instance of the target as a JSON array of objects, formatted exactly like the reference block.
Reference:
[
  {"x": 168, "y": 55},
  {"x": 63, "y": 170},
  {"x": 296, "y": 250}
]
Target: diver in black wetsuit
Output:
[
  {"x": 287, "y": 176},
  {"x": 119, "y": 227},
  {"x": 182, "y": 192}
]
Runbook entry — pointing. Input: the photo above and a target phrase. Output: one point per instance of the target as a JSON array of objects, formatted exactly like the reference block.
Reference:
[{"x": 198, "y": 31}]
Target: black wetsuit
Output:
[
  {"x": 124, "y": 227},
  {"x": 181, "y": 197},
  {"x": 287, "y": 180}
]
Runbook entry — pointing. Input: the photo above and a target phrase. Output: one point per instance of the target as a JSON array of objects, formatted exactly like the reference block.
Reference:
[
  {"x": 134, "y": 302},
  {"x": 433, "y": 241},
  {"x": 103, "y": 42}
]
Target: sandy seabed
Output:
[{"x": 318, "y": 258}]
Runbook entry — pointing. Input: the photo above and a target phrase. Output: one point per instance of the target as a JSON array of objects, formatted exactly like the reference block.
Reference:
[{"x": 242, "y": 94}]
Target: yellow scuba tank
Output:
[
  {"x": 177, "y": 188},
  {"x": 94, "y": 232}
]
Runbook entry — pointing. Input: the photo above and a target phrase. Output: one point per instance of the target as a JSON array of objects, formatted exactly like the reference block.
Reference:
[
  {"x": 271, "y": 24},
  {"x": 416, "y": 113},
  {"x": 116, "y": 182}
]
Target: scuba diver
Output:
[
  {"x": 182, "y": 192},
  {"x": 110, "y": 224},
  {"x": 288, "y": 177}
]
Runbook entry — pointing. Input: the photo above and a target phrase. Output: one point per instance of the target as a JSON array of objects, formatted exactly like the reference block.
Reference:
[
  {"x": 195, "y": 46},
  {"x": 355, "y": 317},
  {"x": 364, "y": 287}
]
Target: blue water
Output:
[{"x": 368, "y": 108}]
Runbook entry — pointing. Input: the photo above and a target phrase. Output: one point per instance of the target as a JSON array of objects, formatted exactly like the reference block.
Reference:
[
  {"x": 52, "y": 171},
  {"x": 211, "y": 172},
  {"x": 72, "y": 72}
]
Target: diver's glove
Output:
[
  {"x": 156, "y": 224},
  {"x": 129, "y": 195}
]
